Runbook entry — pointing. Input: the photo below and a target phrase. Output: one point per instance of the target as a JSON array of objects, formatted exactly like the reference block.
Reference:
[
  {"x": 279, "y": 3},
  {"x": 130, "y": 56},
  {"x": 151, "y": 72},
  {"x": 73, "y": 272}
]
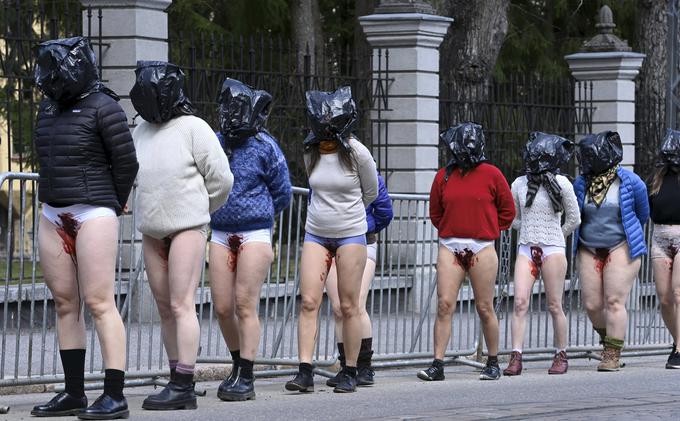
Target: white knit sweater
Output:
[
  {"x": 183, "y": 175},
  {"x": 539, "y": 224}
]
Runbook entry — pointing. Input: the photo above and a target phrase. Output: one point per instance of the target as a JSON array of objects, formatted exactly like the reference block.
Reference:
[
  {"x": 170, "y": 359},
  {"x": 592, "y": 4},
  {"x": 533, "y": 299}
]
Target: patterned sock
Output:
[{"x": 613, "y": 342}]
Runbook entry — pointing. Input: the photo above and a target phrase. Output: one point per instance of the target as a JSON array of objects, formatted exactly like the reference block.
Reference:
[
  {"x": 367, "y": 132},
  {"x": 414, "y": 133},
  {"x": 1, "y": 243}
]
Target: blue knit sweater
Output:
[
  {"x": 261, "y": 186},
  {"x": 634, "y": 209}
]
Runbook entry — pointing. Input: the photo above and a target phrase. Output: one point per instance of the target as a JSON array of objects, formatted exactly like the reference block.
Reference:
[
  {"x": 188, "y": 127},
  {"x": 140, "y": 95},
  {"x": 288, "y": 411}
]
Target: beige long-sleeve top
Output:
[
  {"x": 183, "y": 175},
  {"x": 339, "y": 196},
  {"x": 539, "y": 224}
]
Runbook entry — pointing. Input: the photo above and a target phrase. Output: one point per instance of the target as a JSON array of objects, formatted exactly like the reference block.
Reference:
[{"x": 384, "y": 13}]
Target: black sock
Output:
[
  {"x": 306, "y": 368},
  {"x": 341, "y": 354},
  {"x": 365, "y": 353},
  {"x": 351, "y": 371},
  {"x": 438, "y": 363},
  {"x": 73, "y": 361},
  {"x": 184, "y": 379},
  {"x": 235, "y": 360},
  {"x": 492, "y": 360},
  {"x": 246, "y": 367},
  {"x": 366, "y": 344},
  {"x": 114, "y": 380}
]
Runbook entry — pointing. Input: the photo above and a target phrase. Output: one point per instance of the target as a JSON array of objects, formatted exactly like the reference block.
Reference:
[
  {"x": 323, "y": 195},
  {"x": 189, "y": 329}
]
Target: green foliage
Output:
[{"x": 542, "y": 32}]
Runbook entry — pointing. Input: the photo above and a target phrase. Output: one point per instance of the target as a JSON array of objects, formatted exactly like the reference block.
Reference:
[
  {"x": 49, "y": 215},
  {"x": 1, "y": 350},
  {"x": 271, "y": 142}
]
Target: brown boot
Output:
[
  {"x": 560, "y": 364},
  {"x": 515, "y": 365},
  {"x": 610, "y": 359}
]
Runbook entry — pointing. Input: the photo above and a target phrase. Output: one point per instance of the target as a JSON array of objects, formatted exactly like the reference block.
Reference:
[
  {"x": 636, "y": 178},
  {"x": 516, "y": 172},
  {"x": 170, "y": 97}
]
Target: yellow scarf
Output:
[{"x": 599, "y": 185}]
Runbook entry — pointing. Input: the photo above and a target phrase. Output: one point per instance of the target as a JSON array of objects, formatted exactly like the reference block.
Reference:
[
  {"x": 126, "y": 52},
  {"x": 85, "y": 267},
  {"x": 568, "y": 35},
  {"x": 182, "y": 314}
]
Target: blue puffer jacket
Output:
[
  {"x": 634, "y": 209},
  {"x": 261, "y": 186},
  {"x": 379, "y": 213}
]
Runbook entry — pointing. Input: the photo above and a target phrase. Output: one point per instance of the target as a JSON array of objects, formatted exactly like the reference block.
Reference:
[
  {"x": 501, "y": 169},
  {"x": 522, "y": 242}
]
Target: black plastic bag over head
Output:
[
  {"x": 598, "y": 153},
  {"x": 242, "y": 110},
  {"x": 669, "y": 153},
  {"x": 332, "y": 116},
  {"x": 546, "y": 153},
  {"x": 466, "y": 142},
  {"x": 158, "y": 94},
  {"x": 66, "y": 69}
]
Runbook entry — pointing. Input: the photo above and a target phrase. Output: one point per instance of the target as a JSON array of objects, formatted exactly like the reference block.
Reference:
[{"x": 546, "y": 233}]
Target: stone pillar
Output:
[
  {"x": 413, "y": 41},
  {"x": 131, "y": 30},
  {"x": 611, "y": 66},
  {"x": 412, "y": 35}
]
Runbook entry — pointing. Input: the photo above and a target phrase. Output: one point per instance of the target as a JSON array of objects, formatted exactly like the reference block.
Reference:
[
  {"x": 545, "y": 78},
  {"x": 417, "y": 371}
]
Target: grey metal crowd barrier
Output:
[{"x": 401, "y": 303}]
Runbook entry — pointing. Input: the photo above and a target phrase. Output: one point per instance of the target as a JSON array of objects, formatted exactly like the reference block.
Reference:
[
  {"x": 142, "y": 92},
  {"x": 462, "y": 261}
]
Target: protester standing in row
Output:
[
  {"x": 183, "y": 177},
  {"x": 343, "y": 182},
  {"x": 611, "y": 240},
  {"x": 664, "y": 200},
  {"x": 470, "y": 204},
  {"x": 542, "y": 197},
  {"x": 378, "y": 216},
  {"x": 240, "y": 243},
  {"x": 87, "y": 166}
]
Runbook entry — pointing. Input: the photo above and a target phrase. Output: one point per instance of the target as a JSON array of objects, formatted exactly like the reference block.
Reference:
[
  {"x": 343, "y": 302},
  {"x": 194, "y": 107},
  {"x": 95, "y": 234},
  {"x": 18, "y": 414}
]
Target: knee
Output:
[
  {"x": 98, "y": 308},
  {"x": 310, "y": 304},
  {"x": 485, "y": 311},
  {"x": 224, "y": 311},
  {"x": 65, "y": 306},
  {"x": 592, "y": 305},
  {"x": 555, "y": 308},
  {"x": 445, "y": 307},
  {"x": 349, "y": 309},
  {"x": 521, "y": 305},
  {"x": 245, "y": 310},
  {"x": 337, "y": 311},
  {"x": 614, "y": 304},
  {"x": 181, "y": 309}
]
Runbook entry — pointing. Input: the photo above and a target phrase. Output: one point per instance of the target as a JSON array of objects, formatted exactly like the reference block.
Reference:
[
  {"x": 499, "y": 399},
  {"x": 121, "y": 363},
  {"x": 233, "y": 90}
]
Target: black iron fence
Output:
[
  {"x": 275, "y": 65},
  {"x": 25, "y": 24},
  {"x": 511, "y": 108}
]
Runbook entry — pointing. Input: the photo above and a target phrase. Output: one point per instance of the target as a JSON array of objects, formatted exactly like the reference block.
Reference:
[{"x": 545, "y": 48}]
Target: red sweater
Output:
[{"x": 478, "y": 205}]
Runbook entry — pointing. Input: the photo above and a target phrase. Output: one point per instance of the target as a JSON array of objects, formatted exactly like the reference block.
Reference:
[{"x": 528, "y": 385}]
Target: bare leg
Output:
[
  {"x": 60, "y": 277},
  {"x": 524, "y": 282},
  {"x": 450, "y": 276},
  {"x": 222, "y": 279},
  {"x": 156, "y": 262},
  {"x": 314, "y": 267},
  {"x": 96, "y": 247},
  {"x": 663, "y": 271},
  {"x": 619, "y": 275},
  {"x": 554, "y": 269},
  {"x": 350, "y": 262},
  {"x": 332, "y": 293},
  {"x": 185, "y": 263},
  {"x": 483, "y": 277},
  {"x": 592, "y": 289},
  {"x": 676, "y": 296},
  {"x": 253, "y": 264}
]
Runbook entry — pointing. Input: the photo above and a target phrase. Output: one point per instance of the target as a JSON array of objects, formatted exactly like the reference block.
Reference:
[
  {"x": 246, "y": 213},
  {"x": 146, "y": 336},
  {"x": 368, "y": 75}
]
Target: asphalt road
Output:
[{"x": 643, "y": 390}]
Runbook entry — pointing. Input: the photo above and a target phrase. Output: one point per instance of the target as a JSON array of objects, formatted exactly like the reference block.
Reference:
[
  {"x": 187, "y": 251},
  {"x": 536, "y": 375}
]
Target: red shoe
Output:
[
  {"x": 515, "y": 365},
  {"x": 560, "y": 364}
]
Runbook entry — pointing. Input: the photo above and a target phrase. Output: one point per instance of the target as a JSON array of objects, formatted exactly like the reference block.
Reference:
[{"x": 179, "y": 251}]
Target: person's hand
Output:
[{"x": 371, "y": 238}]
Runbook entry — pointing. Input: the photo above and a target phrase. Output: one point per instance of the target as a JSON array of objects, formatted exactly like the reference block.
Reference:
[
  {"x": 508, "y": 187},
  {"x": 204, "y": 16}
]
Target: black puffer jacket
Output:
[{"x": 86, "y": 153}]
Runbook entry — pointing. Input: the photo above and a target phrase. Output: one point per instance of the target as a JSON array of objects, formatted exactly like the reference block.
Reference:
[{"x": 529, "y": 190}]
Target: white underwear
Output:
[
  {"x": 538, "y": 252},
  {"x": 372, "y": 251},
  {"x": 76, "y": 213},
  {"x": 460, "y": 245},
  {"x": 233, "y": 240}
]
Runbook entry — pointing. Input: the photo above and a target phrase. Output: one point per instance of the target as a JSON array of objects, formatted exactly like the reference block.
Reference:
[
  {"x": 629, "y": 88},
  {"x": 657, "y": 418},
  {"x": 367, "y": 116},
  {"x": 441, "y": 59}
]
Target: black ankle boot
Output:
[
  {"x": 303, "y": 380},
  {"x": 364, "y": 371},
  {"x": 61, "y": 405},
  {"x": 106, "y": 408},
  {"x": 348, "y": 383},
  {"x": 242, "y": 389},
  {"x": 173, "y": 396}
]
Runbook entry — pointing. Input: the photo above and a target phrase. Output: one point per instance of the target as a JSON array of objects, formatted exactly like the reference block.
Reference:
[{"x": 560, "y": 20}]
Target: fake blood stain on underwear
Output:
[
  {"x": 536, "y": 260},
  {"x": 602, "y": 257},
  {"x": 329, "y": 263},
  {"x": 465, "y": 258},
  {"x": 234, "y": 241},
  {"x": 164, "y": 250},
  {"x": 68, "y": 230}
]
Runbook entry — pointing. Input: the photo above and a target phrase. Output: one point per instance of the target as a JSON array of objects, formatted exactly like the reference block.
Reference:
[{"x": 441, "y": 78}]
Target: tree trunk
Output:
[
  {"x": 653, "y": 27},
  {"x": 307, "y": 30},
  {"x": 470, "y": 50}
]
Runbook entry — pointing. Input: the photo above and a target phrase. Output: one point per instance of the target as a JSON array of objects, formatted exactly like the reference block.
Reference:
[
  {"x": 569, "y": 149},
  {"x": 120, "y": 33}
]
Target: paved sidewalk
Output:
[{"x": 643, "y": 390}]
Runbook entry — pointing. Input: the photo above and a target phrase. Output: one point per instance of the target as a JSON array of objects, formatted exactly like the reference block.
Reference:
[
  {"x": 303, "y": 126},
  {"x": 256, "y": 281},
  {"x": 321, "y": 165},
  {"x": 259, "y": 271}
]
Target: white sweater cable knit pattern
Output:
[
  {"x": 183, "y": 175},
  {"x": 539, "y": 224}
]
